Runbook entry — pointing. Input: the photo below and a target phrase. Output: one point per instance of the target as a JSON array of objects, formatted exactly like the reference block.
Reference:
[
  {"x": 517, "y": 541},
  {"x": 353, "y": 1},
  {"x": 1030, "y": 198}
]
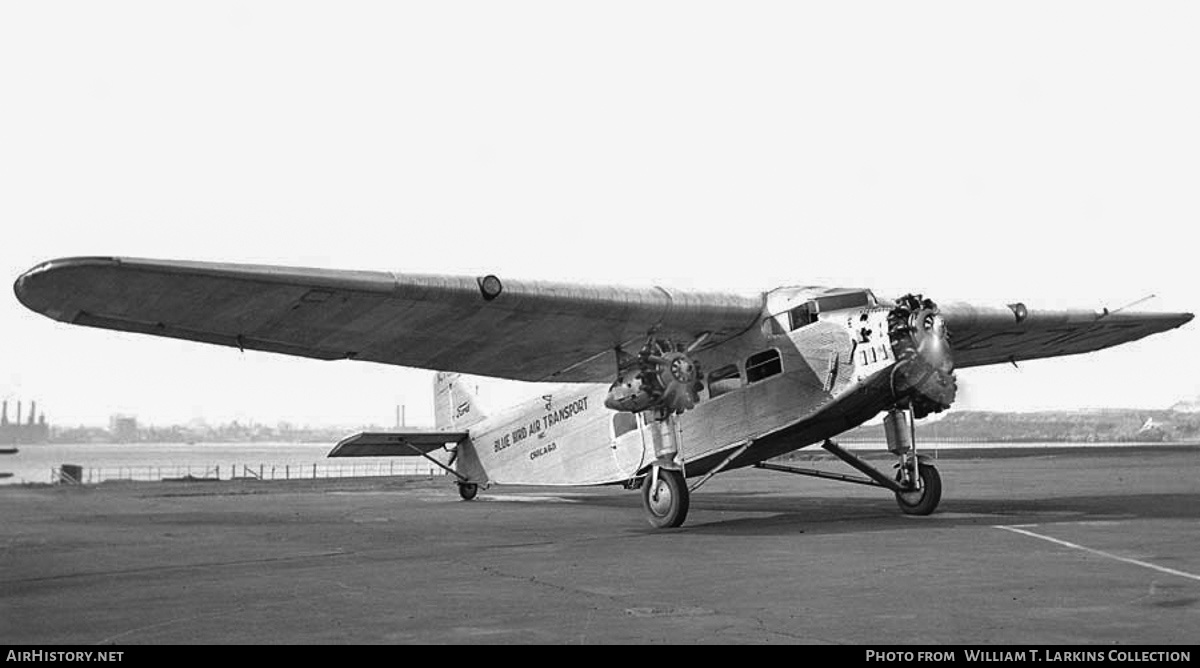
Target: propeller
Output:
[
  {"x": 676, "y": 373},
  {"x": 663, "y": 376}
]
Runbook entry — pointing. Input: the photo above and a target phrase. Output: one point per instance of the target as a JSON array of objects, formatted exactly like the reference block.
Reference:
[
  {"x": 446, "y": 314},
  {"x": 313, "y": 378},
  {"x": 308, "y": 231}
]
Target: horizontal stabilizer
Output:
[{"x": 395, "y": 443}]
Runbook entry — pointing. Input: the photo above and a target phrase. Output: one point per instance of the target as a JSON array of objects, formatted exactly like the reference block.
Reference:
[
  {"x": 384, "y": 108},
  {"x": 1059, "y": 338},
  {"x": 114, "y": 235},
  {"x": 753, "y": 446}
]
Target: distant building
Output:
[
  {"x": 23, "y": 431},
  {"x": 123, "y": 428}
]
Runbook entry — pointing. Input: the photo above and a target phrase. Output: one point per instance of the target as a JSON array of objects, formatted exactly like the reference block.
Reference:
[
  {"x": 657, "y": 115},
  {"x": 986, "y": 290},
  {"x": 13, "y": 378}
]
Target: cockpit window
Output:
[
  {"x": 856, "y": 299},
  {"x": 804, "y": 314}
]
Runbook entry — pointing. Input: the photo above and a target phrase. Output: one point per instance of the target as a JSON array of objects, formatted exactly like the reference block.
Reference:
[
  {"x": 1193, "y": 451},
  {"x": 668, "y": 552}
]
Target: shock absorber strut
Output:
[{"x": 900, "y": 429}]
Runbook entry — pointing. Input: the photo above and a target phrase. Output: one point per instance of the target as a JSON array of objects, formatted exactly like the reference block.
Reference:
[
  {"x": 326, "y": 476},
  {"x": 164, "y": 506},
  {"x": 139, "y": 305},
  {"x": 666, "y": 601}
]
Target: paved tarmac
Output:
[{"x": 1046, "y": 548}]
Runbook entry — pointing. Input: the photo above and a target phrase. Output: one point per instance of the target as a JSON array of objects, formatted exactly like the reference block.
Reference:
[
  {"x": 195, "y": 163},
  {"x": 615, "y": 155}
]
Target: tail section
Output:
[{"x": 455, "y": 406}]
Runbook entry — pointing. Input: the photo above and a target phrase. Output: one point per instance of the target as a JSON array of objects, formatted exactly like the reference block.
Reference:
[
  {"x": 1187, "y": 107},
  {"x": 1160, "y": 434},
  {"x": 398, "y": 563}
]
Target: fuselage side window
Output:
[
  {"x": 763, "y": 365},
  {"x": 623, "y": 423},
  {"x": 724, "y": 379}
]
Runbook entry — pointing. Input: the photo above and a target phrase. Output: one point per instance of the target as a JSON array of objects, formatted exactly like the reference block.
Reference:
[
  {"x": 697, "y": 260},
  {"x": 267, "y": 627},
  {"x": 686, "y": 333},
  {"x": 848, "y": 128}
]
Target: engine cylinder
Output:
[{"x": 630, "y": 394}]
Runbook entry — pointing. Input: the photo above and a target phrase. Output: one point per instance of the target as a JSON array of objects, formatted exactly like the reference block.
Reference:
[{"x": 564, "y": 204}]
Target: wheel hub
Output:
[{"x": 660, "y": 499}]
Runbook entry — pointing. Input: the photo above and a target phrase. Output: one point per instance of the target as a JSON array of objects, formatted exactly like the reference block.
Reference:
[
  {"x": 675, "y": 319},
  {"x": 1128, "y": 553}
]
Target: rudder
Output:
[{"x": 455, "y": 406}]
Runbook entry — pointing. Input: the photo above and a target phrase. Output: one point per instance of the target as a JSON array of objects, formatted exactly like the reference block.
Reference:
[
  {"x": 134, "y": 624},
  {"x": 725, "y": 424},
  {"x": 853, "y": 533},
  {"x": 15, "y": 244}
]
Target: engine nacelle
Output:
[{"x": 630, "y": 394}]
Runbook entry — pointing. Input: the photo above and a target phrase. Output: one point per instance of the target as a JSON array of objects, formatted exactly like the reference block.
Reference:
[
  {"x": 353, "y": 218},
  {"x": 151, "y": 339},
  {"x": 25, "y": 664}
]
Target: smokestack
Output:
[
  {"x": 18, "y": 411},
  {"x": 4, "y": 415},
  {"x": 32, "y": 411}
]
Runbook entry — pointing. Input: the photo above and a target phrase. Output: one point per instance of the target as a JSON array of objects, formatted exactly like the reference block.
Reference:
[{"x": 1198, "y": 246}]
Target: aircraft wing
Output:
[
  {"x": 532, "y": 330},
  {"x": 993, "y": 335}
]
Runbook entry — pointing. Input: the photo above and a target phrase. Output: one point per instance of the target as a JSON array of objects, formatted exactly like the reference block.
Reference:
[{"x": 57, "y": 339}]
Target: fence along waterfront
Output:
[{"x": 148, "y": 473}]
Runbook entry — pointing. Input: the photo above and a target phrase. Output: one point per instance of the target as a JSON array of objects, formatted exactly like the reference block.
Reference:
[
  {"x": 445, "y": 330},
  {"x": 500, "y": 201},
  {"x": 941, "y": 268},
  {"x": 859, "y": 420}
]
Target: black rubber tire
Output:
[
  {"x": 925, "y": 501},
  {"x": 670, "y": 508},
  {"x": 467, "y": 490}
]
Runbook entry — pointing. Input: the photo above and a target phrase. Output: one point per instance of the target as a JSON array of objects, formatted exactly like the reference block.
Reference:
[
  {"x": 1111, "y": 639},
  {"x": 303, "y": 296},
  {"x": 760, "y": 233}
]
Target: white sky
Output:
[{"x": 1037, "y": 151}]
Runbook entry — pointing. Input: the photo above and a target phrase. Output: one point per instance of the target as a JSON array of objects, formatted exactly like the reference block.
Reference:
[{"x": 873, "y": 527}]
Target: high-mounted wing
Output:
[
  {"x": 993, "y": 335},
  {"x": 531, "y": 330}
]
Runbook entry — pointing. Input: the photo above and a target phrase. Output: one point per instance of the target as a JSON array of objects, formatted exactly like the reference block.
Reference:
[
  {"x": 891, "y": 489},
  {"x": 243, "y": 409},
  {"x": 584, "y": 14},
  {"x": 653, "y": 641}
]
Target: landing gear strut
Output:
[{"x": 920, "y": 482}]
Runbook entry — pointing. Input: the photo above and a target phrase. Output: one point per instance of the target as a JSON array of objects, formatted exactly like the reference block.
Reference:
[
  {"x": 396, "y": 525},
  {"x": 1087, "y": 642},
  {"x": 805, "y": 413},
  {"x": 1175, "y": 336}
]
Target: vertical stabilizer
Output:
[{"x": 455, "y": 405}]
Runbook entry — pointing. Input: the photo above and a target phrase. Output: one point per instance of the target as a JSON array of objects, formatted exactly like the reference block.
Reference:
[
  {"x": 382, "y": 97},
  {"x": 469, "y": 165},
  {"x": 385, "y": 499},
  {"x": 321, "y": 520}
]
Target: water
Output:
[{"x": 153, "y": 461}]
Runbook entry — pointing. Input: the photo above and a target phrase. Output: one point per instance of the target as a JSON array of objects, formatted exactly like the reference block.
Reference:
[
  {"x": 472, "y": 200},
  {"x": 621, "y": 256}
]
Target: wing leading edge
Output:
[{"x": 533, "y": 330}]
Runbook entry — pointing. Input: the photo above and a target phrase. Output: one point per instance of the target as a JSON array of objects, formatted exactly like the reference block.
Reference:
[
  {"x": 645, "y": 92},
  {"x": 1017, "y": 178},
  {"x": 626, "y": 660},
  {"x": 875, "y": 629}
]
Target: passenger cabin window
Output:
[
  {"x": 763, "y": 365},
  {"x": 623, "y": 423},
  {"x": 725, "y": 379}
]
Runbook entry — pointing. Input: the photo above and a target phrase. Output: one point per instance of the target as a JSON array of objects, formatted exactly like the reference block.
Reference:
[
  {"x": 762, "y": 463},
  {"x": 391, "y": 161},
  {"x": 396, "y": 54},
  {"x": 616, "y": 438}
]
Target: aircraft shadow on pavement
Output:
[{"x": 757, "y": 513}]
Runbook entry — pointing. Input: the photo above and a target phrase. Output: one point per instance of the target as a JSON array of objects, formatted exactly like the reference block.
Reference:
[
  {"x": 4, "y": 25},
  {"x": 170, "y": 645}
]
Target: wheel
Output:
[
  {"x": 666, "y": 505},
  {"x": 467, "y": 490},
  {"x": 926, "y": 500}
]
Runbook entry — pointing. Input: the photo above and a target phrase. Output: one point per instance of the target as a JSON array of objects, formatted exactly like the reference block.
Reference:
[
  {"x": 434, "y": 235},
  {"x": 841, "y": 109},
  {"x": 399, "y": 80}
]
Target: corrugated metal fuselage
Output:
[{"x": 782, "y": 385}]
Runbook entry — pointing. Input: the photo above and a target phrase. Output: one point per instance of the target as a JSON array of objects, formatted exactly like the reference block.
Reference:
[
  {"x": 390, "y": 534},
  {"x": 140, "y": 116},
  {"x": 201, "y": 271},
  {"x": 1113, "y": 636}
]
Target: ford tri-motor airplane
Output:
[{"x": 660, "y": 385}]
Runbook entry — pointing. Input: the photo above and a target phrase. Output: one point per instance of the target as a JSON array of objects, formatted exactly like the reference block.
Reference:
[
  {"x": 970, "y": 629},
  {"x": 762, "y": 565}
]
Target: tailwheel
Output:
[
  {"x": 467, "y": 490},
  {"x": 665, "y": 499},
  {"x": 925, "y": 500}
]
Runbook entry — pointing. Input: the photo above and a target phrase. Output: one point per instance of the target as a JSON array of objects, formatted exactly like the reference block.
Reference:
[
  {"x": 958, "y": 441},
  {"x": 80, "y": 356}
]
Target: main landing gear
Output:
[
  {"x": 924, "y": 498},
  {"x": 917, "y": 483},
  {"x": 666, "y": 497}
]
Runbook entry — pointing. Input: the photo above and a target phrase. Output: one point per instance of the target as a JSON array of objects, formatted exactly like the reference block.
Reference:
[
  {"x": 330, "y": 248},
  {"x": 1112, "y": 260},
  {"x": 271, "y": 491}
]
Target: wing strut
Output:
[
  {"x": 876, "y": 478},
  {"x": 720, "y": 467},
  {"x": 447, "y": 469}
]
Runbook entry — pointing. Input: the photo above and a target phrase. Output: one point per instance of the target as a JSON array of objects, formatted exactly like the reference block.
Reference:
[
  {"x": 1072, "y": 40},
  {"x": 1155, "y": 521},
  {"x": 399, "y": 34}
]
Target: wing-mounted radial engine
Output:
[
  {"x": 662, "y": 381},
  {"x": 662, "y": 378}
]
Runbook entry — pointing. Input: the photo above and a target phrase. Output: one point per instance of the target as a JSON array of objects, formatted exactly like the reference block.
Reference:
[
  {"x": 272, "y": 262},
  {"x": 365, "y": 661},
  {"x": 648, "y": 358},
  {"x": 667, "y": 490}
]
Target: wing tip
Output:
[
  {"x": 1167, "y": 321},
  {"x": 34, "y": 287}
]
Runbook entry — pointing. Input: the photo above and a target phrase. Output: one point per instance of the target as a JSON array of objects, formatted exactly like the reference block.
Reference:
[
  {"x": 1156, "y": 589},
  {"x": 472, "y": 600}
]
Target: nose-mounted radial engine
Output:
[
  {"x": 923, "y": 377},
  {"x": 661, "y": 381},
  {"x": 922, "y": 382}
]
